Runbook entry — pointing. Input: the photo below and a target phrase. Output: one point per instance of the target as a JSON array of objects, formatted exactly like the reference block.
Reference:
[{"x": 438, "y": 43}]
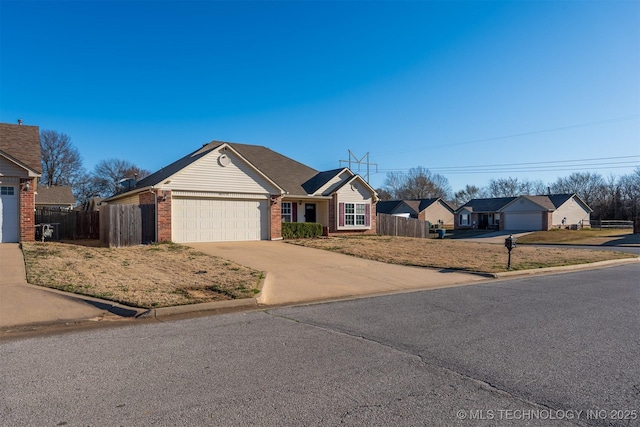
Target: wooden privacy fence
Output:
[
  {"x": 69, "y": 224},
  {"x": 390, "y": 225},
  {"x": 127, "y": 225}
]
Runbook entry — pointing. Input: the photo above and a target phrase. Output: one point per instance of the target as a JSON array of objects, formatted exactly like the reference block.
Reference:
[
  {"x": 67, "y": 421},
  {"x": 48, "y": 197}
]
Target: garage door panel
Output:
[
  {"x": 523, "y": 221},
  {"x": 214, "y": 220},
  {"x": 9, "y": 214}
]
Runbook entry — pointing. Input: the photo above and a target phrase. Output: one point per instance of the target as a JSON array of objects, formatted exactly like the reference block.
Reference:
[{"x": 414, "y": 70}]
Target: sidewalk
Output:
[{"x": 22, "y": 304}]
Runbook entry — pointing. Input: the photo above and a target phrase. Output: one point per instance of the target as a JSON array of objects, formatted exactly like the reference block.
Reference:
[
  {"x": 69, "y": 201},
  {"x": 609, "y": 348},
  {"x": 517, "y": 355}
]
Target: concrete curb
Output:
[
  {"x": 211, "y": 307},
  {"x": 567, "y": 268},
  {"x": 225, "y": 306}
]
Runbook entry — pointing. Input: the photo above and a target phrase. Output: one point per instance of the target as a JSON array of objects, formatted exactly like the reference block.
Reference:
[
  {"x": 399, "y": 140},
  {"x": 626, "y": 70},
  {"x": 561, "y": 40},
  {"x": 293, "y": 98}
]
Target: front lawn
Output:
[
  {"x": 585, "y": 236},
  {"x": 457, "y": 255},
  {"x": 157, "y": 275}
]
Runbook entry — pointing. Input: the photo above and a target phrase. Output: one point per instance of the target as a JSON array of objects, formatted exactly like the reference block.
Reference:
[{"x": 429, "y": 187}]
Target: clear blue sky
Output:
[{"x": 450, "y": 86}]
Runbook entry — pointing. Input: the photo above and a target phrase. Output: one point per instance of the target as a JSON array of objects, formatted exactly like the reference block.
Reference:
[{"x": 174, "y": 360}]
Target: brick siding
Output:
[
  {"x": 275, "y": 209},
  {"x": 27, "y": 210}
]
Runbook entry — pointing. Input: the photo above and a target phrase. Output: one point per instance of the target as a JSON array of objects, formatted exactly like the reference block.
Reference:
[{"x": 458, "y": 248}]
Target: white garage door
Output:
[
  {"x": 523, "y": 221},
  {"x": 9, "y": 221},
  {"x": 217, "y": 220}
]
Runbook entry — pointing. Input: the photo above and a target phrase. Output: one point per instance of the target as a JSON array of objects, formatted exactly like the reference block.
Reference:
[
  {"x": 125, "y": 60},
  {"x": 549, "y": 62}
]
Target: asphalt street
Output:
[{"x": 548, "y": 350}]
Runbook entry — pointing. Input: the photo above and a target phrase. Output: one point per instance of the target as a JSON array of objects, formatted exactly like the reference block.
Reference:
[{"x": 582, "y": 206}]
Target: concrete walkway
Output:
[
  {"x": 22, "y": 304},
  {"x": 300, "y": 274}
]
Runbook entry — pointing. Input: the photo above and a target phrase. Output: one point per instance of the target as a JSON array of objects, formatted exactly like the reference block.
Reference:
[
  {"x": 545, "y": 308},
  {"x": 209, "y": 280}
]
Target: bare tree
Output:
[
  {"x": 418, "y": 183},
  {"x": 630, "y": 191},
  {"x": 589, "y": 186},
  {"x": 504, "y": 187},
  {"x": 469, "y": 192},
  {"x": 384, "y": 194},
  {"x": 393, "y": 184},
  {"x": 109, "y": 173},
  {"x": 61, "y": 161}
]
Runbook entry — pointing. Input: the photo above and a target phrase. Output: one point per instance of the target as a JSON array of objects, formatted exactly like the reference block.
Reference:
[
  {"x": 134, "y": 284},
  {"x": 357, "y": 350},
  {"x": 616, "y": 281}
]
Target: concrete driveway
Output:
[
  {"x": 299, "y": 274},
  {"x": 496, "y": 237}
]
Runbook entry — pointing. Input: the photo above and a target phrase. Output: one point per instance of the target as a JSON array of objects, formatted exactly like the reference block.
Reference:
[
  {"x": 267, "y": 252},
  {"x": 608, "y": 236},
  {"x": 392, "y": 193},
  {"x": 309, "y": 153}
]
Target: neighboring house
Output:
[
  {"x": 227, "y": 191},
  {"x": 533, "y": 213},
  {"x": 483, "y": 214},
  {"x": 20, "y": 169},
  {"x": 434, "y": 210},
  {"x": 60, "y": 197},
  {"x": 525, "y": 213}
]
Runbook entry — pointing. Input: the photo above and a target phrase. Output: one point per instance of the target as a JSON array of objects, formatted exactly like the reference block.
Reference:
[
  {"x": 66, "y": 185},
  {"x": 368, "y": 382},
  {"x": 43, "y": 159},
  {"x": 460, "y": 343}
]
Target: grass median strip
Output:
[
  {"x": 157, "y": 275},
  {"x": 456, "y": 255}
]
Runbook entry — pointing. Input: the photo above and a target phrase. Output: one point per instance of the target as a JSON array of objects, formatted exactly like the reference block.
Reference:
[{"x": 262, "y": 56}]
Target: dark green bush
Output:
[{"x": 300, "y": 230}]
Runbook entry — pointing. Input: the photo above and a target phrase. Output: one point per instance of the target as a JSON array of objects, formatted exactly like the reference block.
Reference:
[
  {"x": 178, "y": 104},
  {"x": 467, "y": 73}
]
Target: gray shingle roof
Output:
[
  {"x": 487, "y": 205},
  {"x": 287, "y": 173},
  {"x": 320, "y": 179},
  {"x": 559, "y": 199},
  {"x": 544, "y": 201},
  {"x": 58, "y": 195},
  {"x": 413, "y": 206},
  {"x": 387, "y": 206},
  {"x": 22, "y": 143}
]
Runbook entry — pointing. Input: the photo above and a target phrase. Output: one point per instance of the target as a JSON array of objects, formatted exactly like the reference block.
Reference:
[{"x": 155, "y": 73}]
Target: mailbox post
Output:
[{"x": 509, "y": 243}]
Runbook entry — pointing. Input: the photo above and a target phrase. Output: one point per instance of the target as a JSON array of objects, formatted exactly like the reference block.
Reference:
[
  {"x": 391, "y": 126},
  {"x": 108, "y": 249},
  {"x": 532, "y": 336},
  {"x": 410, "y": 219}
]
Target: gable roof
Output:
[
  {"x": 57, "y": 195},
  {"x": 319, "y": 180},
  {"x": 387, "y": 206},
  {"x": 21, "y": 144},
  {"x": 286, "y": 173},
  {"x": 487, "y": 205},
  {"x": 291, "y": 177},
  {"x": 411, "y": 206},
  {"x": 543, "y": 201}
]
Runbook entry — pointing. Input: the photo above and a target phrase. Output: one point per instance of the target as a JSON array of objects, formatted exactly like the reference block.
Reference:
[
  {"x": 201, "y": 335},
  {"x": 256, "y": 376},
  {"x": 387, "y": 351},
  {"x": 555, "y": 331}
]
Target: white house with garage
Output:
[
  {"x": 524, "y": 213},
  {"x": 237, "y": 192}
]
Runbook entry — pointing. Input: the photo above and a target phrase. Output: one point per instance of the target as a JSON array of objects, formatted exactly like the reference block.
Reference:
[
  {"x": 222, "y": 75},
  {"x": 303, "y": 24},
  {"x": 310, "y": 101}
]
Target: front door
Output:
[{"x": 310, "y": 212}]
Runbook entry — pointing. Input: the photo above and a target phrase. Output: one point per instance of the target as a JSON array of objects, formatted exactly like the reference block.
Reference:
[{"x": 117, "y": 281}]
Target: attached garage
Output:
[
  {"x": 199, "y": 219},
  {"x": 9, "y": 214},
  {"x": 523, "y": 221}
]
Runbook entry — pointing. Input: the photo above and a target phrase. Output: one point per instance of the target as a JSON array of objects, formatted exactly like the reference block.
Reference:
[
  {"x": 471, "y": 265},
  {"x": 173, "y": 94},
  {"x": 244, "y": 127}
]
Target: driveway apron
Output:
[{"x": 299, "y": 274}]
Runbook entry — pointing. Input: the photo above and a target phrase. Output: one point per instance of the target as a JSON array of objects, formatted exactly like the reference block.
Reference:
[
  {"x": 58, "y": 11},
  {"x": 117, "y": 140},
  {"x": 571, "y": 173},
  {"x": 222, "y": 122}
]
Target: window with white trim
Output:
[
  {"x": 285, "y": 212},
  {"x": 354, "y": 214},
  {"x": 7, "y": 191},
  {"x": 464, "y": 219}
]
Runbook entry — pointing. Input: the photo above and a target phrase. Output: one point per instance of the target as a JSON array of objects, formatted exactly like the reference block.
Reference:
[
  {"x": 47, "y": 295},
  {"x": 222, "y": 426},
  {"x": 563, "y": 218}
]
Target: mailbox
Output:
[{"x": 510, "y": 242}]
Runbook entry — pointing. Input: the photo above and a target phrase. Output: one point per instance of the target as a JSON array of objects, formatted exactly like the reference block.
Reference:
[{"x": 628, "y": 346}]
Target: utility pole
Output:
[{"x": 364, "y": 161}]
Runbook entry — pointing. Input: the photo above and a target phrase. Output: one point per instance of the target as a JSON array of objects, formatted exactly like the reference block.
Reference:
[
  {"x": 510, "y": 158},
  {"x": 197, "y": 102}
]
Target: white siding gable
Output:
[
  {"x": 354, "y": 192},
  {"x": 572, "y": 210},
  {"x": 214, "y": 173},
  {"x": 334, "y": 183},
  {"x": 9, "y": 168}
]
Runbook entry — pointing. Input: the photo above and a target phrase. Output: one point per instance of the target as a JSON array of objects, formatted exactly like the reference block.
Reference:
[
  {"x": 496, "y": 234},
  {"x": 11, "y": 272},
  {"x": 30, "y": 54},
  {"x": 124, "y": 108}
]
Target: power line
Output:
[
  {"x": 579, "y": 125},
  {"x": 548, "y": 166},
  {"x": 541, "y": 163}
]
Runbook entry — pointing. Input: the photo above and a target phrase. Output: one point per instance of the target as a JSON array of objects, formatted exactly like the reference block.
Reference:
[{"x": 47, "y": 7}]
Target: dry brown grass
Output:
[
  {"x": 157, "y": 275},
  {"x": 459, "y": 255},
  {"x": 586, "y": 236}
]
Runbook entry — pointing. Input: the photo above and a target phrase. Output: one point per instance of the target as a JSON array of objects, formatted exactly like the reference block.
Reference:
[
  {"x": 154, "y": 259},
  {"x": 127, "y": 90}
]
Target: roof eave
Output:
[{"x": 33, "y": 173}]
